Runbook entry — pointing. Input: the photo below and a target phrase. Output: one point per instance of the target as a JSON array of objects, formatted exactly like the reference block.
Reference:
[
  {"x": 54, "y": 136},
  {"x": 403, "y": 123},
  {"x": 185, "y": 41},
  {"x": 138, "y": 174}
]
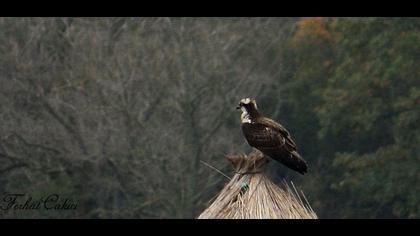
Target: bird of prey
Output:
[{"x": 269, "y": 137}]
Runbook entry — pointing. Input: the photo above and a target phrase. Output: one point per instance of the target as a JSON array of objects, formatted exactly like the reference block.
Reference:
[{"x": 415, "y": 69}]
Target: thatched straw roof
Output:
[{"x": 252, "y": 195}]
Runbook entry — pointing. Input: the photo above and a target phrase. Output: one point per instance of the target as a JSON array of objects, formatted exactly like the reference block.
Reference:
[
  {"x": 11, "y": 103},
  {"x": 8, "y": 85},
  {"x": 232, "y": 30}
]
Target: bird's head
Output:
[{"x": 248, "y": 104}]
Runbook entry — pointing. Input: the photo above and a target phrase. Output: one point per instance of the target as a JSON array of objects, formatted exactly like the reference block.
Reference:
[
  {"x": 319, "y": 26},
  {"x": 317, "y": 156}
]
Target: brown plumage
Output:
[{"x": 270, "y": 137}]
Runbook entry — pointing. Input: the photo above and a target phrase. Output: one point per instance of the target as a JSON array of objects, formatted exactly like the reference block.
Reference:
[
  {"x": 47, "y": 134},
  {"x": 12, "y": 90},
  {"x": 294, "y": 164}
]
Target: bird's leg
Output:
[{"x": 257, "y": 152}]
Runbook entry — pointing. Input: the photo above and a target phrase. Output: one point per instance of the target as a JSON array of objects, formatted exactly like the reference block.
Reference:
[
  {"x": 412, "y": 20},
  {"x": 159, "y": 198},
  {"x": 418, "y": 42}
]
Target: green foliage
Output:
[{"x": 368, "y": 115}]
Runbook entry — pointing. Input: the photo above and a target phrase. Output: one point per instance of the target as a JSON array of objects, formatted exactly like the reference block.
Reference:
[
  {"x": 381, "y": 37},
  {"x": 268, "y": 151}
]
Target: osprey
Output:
[{"x": 269, "y": 137}]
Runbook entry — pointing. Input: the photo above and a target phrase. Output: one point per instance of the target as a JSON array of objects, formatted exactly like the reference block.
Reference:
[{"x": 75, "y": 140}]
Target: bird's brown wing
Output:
[
  {"x": 274, "y": 140},
  {"x": 290, "y": 144},
  {"x": 261, "y": 136}
]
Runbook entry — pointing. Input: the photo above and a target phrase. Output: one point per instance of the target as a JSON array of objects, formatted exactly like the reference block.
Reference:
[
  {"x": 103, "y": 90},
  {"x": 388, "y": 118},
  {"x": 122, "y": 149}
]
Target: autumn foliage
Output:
[{"x": 314, "y": 28}]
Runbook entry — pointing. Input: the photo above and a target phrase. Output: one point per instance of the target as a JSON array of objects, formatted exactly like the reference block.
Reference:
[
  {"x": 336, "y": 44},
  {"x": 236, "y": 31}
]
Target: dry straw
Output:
[{"x": 251, "y": 195}]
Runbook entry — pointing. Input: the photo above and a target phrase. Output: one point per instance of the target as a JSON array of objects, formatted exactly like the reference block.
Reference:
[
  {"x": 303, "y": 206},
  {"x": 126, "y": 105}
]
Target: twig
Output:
[
  {"x": 214, "y": 168},
  {"x": 297, "y": 193}
]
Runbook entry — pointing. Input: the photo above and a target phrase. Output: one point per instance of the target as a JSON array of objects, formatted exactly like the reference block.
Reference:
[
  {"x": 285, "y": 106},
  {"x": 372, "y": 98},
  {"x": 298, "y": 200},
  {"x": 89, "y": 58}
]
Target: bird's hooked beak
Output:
[{"x": 238, "y": 107}]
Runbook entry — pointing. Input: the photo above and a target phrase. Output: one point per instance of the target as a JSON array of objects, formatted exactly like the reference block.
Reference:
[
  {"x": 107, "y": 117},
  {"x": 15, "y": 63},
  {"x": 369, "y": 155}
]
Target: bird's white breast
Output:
[{"x": 245, "y": 116}]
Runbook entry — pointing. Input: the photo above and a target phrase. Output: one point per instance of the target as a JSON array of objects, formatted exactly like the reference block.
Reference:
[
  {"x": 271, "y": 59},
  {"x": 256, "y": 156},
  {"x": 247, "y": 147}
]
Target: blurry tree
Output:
[
  {"x": 356, "y": 113},
  {"x": 371, "y": 103},
  {"x": 119, "y": 112}
]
